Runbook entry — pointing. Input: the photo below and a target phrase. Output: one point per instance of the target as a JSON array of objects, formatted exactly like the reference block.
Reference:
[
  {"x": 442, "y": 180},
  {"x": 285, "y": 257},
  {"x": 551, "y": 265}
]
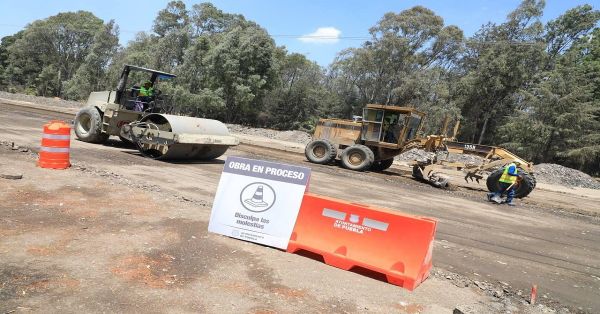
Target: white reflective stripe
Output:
[
  {"x": 334, "y": 214},
  {"x": 56, "y": 137},
  {"x": 375, "y": 224},
  {"x": 54, "y": 149}
]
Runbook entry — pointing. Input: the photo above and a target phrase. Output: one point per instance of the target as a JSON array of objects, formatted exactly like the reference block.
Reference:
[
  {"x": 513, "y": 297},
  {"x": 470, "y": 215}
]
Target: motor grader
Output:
[
  {"x": 144, "y": 121},
  {"x": 371, "y": 141}
]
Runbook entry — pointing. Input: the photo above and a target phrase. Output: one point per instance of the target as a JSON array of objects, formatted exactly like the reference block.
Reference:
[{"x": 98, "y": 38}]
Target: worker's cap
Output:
[{"x": 147, "y": 82}]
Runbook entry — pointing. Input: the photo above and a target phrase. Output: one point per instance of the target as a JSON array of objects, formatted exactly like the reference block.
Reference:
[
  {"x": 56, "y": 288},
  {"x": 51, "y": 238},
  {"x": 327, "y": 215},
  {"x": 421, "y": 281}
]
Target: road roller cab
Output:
[{"x": 145, "y": 122}]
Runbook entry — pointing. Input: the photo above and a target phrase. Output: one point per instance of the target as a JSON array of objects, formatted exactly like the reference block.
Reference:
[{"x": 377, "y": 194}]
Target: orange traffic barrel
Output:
[{"x": 56, "y": 143}]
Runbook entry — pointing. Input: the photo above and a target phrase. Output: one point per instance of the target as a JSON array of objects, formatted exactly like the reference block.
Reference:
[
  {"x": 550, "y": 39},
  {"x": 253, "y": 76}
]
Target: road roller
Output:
[{"x": 139, "y": 115}]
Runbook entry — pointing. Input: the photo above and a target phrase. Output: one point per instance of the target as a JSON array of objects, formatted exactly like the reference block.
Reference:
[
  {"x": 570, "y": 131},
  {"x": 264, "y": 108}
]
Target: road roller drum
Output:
[{"x": 170, "y": 137}]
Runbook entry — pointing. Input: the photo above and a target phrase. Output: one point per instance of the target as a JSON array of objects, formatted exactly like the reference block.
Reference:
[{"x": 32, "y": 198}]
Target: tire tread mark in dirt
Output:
[
  {"x": 502, "y": 230},
  {"x": 523, "y": 252}
]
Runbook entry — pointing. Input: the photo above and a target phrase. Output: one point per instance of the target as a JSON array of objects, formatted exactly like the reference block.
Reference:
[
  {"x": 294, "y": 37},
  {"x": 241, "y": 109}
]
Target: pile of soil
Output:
[
  {"x": 557, "y": 174},
  {"x": 288, "y": 136},
  {"x": 56, "y": 102}
]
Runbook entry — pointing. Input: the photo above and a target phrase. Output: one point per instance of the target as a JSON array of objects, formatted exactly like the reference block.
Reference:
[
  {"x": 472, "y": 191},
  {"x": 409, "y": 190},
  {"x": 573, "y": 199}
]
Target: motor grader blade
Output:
[
  {"x": 169, "y": 137},
  {"x": 473, "y": 177},
  {"x": 428, "y": 173}
]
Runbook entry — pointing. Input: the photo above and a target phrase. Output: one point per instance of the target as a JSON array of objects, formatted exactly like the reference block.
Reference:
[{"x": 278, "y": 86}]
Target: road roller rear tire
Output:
[
  {"x": 523, "y": 188},
  {"x": 320, "y": 151},
  {"x": 357, "y": 157},
  {"x": 88, "y": 126}
]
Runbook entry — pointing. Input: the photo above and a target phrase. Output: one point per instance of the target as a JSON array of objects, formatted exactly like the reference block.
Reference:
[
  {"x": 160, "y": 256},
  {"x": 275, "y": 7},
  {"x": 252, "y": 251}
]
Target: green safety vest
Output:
[
  {"x": 506, "y": 178},
  {"x": 147, "y": 92}
]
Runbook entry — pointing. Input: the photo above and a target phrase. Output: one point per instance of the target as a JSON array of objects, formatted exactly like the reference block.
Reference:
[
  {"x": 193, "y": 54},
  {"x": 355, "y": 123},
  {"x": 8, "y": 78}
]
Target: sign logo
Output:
[
  {"x": 258, "y": 197},
  {"x": 352, "y": 225}
]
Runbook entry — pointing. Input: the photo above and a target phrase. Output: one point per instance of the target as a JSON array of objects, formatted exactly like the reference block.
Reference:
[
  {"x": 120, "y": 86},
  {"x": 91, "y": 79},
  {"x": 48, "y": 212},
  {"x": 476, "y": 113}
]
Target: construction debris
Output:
[
  {"x": 544, "y": 173},
  {"x": 557, "y": 174},
  {"x": 415, "y": 154},
  {"x": 11, "y": 176},
  {"x": 420, "y": 154}
]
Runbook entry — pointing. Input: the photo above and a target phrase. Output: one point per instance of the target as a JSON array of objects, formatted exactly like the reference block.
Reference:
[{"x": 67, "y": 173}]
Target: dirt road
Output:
[{"x": 540, "y": 241}]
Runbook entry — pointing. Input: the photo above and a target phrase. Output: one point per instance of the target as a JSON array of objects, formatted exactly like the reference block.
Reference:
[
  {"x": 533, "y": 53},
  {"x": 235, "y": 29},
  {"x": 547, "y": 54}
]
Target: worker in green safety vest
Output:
[
  {"x": 145, "y": 95},
  {"x": 508, "y": 184},
  {"x": 146, "y": 90}
]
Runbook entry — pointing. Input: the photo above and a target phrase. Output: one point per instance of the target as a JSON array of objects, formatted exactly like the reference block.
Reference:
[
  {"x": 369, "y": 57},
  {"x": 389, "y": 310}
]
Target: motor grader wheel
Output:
[
  {"x": 522, "y": 189},
  {"x": 381, "y": 165},
  {"x": 357, "y": 157},
  {"x": 320, "y": 151}
]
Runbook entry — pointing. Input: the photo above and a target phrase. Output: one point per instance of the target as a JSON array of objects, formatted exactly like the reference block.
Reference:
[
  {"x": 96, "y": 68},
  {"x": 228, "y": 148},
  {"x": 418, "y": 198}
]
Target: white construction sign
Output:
[{"x": 258, "y": 201}]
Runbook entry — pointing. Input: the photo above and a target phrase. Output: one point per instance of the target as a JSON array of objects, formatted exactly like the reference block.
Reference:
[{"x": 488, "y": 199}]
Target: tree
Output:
[
  {"x": 300, "y": 95},
  {"x": 206, "y": 19},
  {"x": 559, "y": 120},
  {"x": 6, "y": 78},
  {"x": 562, "y": 32},
  {"x": 51, "y": 50},
  {"x": 499, "y": 61},
  {"x": 408, "y": 54},
  {"x": 241, "y": 66},
  {"x": 91, "y": 75},
  {"x": 172, "y": 25},
  {"x": 172, "y": 18}
]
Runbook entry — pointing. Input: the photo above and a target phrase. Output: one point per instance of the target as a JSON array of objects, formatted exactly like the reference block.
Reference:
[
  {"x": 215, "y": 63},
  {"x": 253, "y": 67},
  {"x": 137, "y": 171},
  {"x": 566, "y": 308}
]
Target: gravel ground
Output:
[
  {"x": 42, "y": 100},
  {"x": 289, "y": 136},
  {"x": 150, "y": 271}
]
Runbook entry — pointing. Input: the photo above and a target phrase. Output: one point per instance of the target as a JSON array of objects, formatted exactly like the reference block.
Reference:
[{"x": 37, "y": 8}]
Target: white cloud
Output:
[{"x": 323, "y": 35}]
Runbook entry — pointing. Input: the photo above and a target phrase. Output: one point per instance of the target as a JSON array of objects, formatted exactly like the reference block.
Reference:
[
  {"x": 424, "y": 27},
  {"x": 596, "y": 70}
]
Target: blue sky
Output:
[{"x": 282, "y": 19}]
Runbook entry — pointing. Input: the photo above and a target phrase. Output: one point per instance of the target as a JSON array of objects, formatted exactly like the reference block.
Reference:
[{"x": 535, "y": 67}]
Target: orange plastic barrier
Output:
[
  {"x": 56, "y": 143},
  {"x": 349, "y": 235}
]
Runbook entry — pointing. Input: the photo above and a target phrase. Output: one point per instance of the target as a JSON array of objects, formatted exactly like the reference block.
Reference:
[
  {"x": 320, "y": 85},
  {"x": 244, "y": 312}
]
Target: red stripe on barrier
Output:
[{"x": 349, "y": 235}]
